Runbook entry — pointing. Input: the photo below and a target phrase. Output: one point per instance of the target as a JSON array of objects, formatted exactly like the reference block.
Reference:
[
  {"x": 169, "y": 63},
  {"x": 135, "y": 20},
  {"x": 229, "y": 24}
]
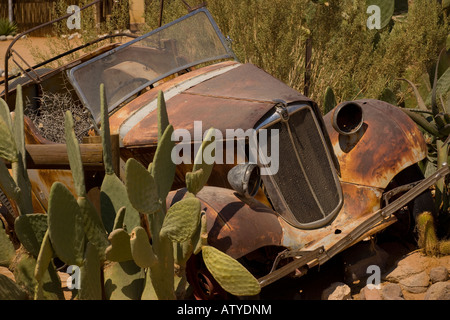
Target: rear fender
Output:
[{"x": 387, "y": 143}]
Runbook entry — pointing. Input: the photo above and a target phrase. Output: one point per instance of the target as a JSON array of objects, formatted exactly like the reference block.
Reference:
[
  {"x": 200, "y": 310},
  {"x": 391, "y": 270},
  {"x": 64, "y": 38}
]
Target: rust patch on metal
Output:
[
  {"x": 248, "y": 82},
  {"x": 42, "y": 181},
  {"x": 118, "y": 117},
  {"x": 388, "y": 143},
  {"x": 184, "y": 109},
  {"x": 235, "y": 227},
  {"x": 359, "y": 203}
]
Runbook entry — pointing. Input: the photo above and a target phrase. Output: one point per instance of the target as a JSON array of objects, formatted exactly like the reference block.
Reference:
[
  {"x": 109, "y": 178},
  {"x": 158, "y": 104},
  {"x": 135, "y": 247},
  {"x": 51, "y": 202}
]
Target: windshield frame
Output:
[{"x": 93, "y": 109}]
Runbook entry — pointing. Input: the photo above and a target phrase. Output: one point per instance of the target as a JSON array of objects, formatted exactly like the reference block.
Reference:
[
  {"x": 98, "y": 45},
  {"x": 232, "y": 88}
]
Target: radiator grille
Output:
[{"x": 305, "y": 190}]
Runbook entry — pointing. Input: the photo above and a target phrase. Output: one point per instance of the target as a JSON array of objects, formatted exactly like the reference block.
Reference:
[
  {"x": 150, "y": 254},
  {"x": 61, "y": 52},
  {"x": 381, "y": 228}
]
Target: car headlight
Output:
[{"x": 245, "y": 179}]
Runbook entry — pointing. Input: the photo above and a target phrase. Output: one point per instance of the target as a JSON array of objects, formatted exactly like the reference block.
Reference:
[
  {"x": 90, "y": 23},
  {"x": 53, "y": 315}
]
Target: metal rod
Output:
[
  {"x": 308, "y": 55},
  {"x": 371, "y": 222},
  {"x": 74, "y": 50},
  {"x": 161, "y": 9},
  {"x": 28, "y": 65},
  {"x": 8, "y": 51}
]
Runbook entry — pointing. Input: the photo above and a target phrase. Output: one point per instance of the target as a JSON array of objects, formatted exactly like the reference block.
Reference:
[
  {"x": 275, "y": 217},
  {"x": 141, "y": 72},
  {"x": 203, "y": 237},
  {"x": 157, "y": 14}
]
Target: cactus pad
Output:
[
  {"x": 90, "y": 275},
  {"x": 163, "y": 168},
  {"x": 120, "y": 217},
  {"x": 8, "y": 148},
  {"x": 200, "y": 163},
  {"x": 30, "y": 230},
  {"x": 7, "y": 251},
  {"x": 74, "y": 153},
  {"x": 5, "y": 114},
  {"x": 141, "y": 248},
  {"x": 182, "y": 220},
  {"x": 65, "y": 225},
  {"x": 93, "y": 226},
  {"x": 113, "y": 196},
  {"x": 194, "y": 181},
  {"x": 124, "y": 281},
  {"x": 120, "y": 249},
  {"x": 229, "y": 273},
  {"x": 44, "y": 258},
  {"x": 141, "y": 188}
]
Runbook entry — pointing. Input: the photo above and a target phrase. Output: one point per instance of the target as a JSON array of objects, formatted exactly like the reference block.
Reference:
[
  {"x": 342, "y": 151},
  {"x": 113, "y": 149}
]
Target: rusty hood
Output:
[{"x": 227, "y": 95}]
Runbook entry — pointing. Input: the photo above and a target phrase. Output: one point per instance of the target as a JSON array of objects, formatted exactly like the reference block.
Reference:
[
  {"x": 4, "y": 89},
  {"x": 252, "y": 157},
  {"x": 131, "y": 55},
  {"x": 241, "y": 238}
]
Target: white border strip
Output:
[{"x": 141, "y": 113}]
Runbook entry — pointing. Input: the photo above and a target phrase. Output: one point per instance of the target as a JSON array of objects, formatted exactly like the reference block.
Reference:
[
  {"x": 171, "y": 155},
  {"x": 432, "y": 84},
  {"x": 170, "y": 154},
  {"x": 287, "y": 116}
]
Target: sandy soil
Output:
[
  {"x": 23, "y": 46},
  {"x": 28, "y": 49}
]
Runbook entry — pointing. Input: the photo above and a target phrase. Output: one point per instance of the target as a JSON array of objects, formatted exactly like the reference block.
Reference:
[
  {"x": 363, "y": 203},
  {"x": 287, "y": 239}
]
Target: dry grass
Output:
[
  {"x": 49, "y": 118},
  {"x": 354, "y": 61}
]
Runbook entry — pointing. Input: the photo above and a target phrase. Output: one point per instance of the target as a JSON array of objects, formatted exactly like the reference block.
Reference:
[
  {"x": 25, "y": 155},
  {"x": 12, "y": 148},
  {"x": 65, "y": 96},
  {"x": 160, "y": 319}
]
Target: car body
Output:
[{"x": 334, "y": 171}]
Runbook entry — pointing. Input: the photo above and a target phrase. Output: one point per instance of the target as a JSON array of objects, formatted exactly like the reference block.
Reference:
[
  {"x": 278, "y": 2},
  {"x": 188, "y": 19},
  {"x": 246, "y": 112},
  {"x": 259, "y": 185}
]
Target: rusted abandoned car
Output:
[{"x": 339, "y": 179}]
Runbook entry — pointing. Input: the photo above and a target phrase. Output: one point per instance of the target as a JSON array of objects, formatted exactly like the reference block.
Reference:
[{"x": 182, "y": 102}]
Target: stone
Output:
[
  {"x": 438, "y": 274},
  {"x": 438, "y": 291},
  {"x": 416, "y": 283},
  {"x": 410, "y": 265},
  {"x": 391, "y": 291},
  {"x": 370, "y": 294},
  {"x": 2, "y": 38},
  {"x": 337, "y": 291},
  {"x": 9, "y": 37}
]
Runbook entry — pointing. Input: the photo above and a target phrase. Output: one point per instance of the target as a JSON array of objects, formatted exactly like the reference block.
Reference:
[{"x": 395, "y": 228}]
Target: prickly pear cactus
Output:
[
  {"x": 30, "y": 229},
  {"x": 202, "y": 169},
  {"x": 120, "y": 249},
  {"x": 7, "y": 251},
  {"x": 229, "y": 273},
  {"x": 180, "y": 230},
  {"x": 141, "y": 249},
  {"x": 182, "y": 220},
  {"x": 113, "y": 194},
  {"x": 66, "y": 225},
  {"x": 12, "y": 148},
  {"x": 146, "y": 263},
  {"x": 329, "y": 101}
]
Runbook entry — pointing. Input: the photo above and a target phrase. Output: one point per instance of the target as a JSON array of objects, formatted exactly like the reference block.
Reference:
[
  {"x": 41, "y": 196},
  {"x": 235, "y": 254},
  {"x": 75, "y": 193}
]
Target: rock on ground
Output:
[
  {"x": 337, "y": 291},
  {"x": 391, "y": 291},
  {"x": 438, "y": 274},
  {"x": 438, "y": 291}
]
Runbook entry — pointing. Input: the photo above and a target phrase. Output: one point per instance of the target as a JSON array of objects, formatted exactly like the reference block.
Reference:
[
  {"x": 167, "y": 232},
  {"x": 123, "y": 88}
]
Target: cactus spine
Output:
[{"x": 428, "y": 239}]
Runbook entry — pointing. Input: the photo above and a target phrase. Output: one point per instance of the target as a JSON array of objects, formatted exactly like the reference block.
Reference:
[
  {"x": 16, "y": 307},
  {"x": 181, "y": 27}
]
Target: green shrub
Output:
[
  {"x": 346, "y": 56},
  {"x": 7, "y": 28}
]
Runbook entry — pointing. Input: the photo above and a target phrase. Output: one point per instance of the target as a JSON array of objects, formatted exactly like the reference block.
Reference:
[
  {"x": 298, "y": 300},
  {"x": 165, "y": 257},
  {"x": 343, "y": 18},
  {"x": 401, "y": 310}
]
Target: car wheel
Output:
[{"x": 204, "y": 286}]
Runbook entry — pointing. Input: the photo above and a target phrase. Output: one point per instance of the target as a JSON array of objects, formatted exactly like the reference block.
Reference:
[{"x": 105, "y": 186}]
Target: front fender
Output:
[
  {"x": 234, "y": 226},
  {"x": 388, "y": 142}
]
